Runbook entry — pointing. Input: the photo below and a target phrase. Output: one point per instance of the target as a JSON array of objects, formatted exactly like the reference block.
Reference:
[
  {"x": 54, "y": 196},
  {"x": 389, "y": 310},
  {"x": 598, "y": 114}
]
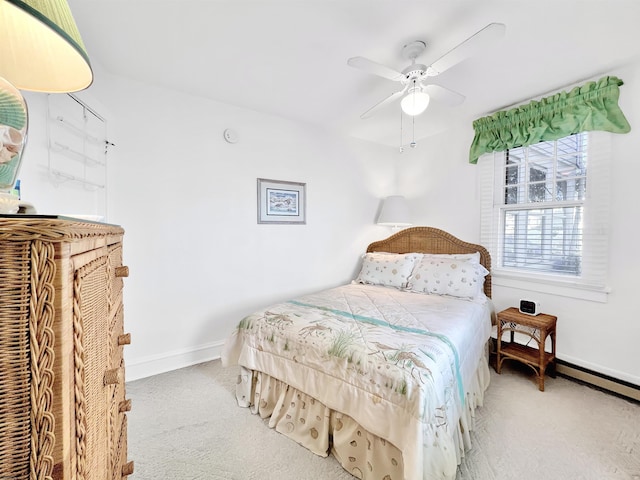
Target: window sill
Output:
[{"x": 549, "y": 286}]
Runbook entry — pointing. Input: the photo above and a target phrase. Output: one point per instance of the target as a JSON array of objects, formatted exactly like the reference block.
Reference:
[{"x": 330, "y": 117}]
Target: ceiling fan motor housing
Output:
[
  {"x": 414, "y": 78},
  {"x": 413, "y": 72}
]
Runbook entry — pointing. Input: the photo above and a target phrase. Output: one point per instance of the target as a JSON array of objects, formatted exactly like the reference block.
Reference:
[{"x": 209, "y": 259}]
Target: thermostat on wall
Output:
[{"x": 530, "y": 307}]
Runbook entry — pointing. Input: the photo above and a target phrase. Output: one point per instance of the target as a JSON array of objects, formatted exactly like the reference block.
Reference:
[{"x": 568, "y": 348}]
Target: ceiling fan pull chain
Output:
[
  {"x": 413, "y": 133},
  {"x": 401, "y": 139}
]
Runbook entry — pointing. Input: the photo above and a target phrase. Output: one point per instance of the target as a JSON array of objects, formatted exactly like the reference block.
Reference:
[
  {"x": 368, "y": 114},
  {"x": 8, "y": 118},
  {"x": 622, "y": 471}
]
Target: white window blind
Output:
[{"x": 545, "y": 210}]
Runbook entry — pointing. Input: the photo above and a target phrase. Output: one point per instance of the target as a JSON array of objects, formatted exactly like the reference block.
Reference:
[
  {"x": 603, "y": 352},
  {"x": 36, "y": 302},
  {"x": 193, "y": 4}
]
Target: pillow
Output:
[
  {"x": 448, "y": 276},
  {"x": 471, "y": 257},
  {"x": 389, "y": 269}
]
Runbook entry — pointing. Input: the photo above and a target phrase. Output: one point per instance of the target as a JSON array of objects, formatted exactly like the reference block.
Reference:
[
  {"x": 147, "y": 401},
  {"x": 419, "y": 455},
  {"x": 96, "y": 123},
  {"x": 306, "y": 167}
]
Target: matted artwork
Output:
[{"x": 281, "y": 202}]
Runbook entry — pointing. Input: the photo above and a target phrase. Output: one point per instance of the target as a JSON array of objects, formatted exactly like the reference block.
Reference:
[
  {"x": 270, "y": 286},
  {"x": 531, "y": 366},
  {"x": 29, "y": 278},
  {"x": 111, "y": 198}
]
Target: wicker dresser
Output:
[{"x": 62, "y": 394}]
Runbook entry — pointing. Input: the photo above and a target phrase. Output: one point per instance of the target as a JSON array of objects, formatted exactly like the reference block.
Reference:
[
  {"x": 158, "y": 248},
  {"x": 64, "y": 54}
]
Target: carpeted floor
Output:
[{"x": 186, "y": 425}]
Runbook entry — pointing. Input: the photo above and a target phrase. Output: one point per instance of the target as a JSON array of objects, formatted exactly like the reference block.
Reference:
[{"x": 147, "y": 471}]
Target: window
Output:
[
  {"x": 545, "y": 210},
  {"x": 542, "y": 213}
]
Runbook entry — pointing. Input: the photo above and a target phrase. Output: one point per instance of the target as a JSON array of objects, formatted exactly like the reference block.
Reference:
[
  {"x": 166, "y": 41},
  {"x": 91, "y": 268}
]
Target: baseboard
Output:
[
  {"x": 615, "y": 382},
  {"x": 166, "y": 362},
  {"x": 598, "y": 380}
]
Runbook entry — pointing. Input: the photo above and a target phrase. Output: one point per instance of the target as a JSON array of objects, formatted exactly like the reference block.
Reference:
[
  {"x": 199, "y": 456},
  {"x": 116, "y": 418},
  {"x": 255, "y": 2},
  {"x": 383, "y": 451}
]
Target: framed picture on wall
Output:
[{"x": 281, "y": 202}]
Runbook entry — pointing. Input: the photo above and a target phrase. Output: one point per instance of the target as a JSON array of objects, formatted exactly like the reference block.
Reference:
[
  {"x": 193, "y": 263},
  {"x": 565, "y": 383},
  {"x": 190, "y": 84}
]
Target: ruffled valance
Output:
[{"x": 592, "y": 106}]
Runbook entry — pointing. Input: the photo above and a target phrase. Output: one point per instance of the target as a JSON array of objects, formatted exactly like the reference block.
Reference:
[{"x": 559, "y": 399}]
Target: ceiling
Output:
[{"x": 289, "y": 57}]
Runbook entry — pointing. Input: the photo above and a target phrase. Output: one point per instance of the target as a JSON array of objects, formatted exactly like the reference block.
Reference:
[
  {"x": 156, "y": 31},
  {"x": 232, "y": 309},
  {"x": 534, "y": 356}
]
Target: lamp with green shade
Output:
[{"x": 41, "y": 51}]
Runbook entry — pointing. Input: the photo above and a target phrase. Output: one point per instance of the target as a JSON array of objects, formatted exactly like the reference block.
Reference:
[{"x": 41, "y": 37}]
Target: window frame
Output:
[
  {"x": 592, "y": 282},
  {"x": 530, "y": 185}
]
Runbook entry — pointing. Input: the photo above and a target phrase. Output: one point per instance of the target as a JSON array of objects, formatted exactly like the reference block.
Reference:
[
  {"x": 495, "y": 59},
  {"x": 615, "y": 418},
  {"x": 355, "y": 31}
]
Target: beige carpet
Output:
[{"x": 185, "y": 425}]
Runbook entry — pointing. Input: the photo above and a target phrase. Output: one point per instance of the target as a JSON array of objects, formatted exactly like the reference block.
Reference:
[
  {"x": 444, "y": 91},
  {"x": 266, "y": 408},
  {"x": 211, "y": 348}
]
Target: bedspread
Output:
[{"x": 396, "y": 362}]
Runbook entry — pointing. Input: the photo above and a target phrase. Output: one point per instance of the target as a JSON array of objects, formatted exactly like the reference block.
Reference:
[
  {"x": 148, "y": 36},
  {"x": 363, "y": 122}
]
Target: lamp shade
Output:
[
  {"x": 40, "y": 47},
  {"x": 395, "y": 212},
  {"x": 415, "y": 102},
  {"x": 40, "y": 50}
]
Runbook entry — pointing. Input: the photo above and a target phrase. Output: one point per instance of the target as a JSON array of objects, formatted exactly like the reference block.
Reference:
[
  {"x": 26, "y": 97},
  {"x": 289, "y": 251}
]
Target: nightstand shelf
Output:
[{"x": 538, "y": 328}]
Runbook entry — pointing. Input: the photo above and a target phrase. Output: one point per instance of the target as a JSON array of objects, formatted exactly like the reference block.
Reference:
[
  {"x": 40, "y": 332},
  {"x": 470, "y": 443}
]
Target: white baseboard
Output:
[
  {"x": 599, "y": 380},
  {"x": 614, "y": 381},
  {"x": 614, "y": 374},
  {"x": 166, "y": 362}
]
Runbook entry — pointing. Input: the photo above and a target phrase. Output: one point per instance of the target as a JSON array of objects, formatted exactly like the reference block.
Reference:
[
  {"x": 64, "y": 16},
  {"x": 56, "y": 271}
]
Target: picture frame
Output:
[{"x": 281, "y": 202}]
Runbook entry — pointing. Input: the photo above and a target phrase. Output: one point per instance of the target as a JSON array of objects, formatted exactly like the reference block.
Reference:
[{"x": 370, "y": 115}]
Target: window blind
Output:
[{"x": 549, "y": 220}]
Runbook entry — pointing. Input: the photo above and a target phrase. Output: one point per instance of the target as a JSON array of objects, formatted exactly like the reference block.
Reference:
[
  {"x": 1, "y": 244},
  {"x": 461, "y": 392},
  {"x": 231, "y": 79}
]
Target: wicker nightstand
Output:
[{"x": 538, "y": 328}]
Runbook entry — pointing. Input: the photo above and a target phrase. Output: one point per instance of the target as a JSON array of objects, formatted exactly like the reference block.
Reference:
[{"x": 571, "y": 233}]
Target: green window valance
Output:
[{"x": 592, "y": 106}]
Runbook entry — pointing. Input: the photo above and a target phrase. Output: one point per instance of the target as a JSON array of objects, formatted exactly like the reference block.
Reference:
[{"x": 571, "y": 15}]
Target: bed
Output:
[{"x": 386, "y": 372}]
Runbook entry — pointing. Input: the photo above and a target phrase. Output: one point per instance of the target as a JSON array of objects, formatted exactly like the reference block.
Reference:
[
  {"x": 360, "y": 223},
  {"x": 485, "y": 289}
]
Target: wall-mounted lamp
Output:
[
  {"x": 41, "y": 51},
  {"x": 415, "y": 101},
  {"x": 395, "y": 212}
]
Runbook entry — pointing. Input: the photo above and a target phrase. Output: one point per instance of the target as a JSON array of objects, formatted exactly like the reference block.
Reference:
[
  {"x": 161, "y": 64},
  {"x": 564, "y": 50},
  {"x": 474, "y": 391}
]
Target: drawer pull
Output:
[
  {"x": 122, "y": 271},
  {"x": 124, "y": 339},
  {"x": 124, "y": 406},
  {"x": 127, "y": 469},
  {"x": 112, "y": 377}
]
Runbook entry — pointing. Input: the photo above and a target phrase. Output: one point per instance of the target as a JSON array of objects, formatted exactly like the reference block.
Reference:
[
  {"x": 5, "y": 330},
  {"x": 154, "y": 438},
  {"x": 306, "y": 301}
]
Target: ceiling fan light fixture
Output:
[{"x": 415, "y": 102}]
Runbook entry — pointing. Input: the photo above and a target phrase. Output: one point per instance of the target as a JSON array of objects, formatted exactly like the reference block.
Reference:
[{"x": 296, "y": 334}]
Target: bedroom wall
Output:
[
  {"x": 48, "y": 193},
  {"x": 442, "y": 189},
  {"x": 198, "y": 259}
]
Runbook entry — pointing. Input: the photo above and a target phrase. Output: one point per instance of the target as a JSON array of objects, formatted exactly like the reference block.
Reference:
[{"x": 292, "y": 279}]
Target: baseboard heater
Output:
[{"x": 598, "y": 380}]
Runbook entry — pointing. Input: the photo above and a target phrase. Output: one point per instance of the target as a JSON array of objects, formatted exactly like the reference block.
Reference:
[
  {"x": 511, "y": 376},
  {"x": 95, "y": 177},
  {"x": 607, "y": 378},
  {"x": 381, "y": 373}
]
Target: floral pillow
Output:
[
  {"x": 389, "y": 269},
  {"x": 470, "y": 257},
  {"x": 448, "y": 276}
]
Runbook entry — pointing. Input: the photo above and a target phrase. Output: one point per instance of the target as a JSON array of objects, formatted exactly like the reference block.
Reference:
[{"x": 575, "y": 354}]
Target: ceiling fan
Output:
[{"x": 414, "y": 78}]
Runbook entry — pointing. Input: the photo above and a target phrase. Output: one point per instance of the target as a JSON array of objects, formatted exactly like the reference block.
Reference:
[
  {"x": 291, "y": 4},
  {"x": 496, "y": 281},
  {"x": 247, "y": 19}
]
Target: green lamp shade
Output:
[
  {"x": 40, "y": 47},
  {"x": 40, "y": 50}
]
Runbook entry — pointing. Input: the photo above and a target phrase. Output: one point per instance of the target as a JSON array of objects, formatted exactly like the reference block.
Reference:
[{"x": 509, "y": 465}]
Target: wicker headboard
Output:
[{"x": 432, "y": 240}]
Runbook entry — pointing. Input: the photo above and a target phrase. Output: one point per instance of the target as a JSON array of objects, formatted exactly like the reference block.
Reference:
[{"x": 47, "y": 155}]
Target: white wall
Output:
[
  {"x": 441, "y": 185},
  {"x": 48, "y": 193},
  {"x": 442, "y": 189},
  {"x": 198, "y": 260}
]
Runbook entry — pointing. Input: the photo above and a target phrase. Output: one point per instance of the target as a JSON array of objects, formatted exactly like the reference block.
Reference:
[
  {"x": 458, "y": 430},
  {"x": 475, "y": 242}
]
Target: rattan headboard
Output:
[{"x": 432, "y": 240}]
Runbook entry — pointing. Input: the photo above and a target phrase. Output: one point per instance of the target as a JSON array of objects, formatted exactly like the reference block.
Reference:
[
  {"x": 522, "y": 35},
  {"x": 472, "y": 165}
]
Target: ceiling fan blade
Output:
[
  {"x": 375, "y": 68},
  {"x": 472, "y": 45},
  {"x": 379, "y": 105},
  {"x": 444, "y": 95}
]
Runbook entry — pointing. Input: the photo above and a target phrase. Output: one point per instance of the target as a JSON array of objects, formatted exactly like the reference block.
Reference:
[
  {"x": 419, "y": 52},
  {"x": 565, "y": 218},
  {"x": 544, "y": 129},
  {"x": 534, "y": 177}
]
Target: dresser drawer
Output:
[
  {"x": 118, "y": 273},
  {"x": 118, "y": 426},
  {"x": 121, "y": 467},
  {"x": 117, "y": 337}
]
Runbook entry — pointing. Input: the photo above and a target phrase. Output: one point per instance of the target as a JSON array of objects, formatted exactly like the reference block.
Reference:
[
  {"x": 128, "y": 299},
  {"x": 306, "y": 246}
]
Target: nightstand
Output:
[{"x": 536, "y": 327}]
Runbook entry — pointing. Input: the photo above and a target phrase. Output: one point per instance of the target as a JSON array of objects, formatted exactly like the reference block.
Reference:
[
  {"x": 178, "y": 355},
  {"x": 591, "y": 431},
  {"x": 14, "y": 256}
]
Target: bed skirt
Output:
[{"x": 364, "y": 455}]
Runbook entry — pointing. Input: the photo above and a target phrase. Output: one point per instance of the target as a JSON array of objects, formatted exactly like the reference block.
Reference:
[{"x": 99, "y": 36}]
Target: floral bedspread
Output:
[{"x": 396, "y": 362}]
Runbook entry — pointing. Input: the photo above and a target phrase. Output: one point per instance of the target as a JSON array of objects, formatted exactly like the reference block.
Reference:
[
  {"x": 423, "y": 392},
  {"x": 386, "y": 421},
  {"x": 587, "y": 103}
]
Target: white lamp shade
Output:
[
  {"x": 415, "y": 102},
  {"x": 395, "y": 212}
]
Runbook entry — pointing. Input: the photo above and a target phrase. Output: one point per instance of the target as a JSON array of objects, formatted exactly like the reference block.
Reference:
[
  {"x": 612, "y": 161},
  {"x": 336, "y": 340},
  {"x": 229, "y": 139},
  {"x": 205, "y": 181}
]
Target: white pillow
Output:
[
  {"x": 389, "y": 269},
  {"x": 471, "y": 257},
  {"x": 448, "y": 276}
]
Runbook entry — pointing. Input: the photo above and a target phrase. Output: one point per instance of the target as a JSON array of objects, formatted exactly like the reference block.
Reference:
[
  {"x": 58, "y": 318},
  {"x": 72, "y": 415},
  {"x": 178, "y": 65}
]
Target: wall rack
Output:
[{"x": 78, "y": 146}]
